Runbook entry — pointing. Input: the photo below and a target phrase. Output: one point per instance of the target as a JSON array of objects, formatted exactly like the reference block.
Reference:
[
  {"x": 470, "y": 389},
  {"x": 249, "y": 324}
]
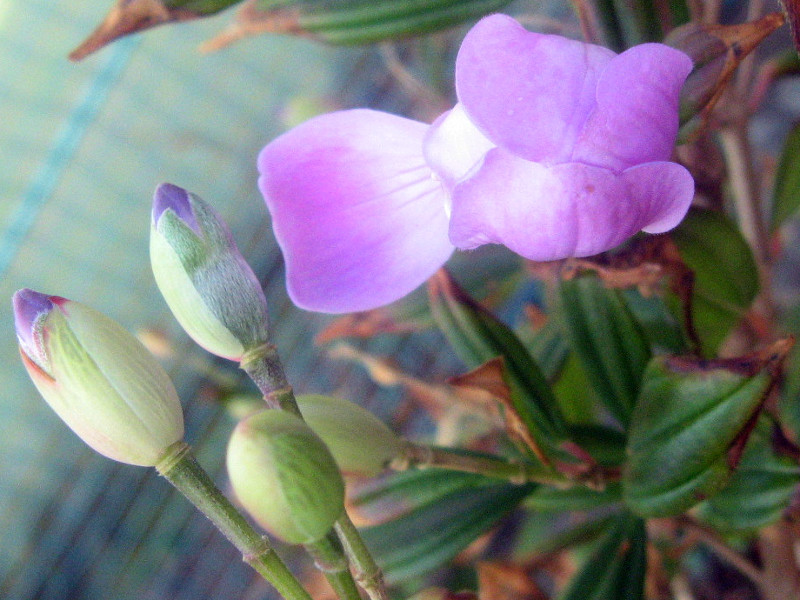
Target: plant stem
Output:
[
  {"x": 367, "y": 572},
  {"x": 330, "y": 559},
  {"x": 178, "y": 466},
  {"x": 422, "y": 456},
  {"x": 264, "y": 367}
]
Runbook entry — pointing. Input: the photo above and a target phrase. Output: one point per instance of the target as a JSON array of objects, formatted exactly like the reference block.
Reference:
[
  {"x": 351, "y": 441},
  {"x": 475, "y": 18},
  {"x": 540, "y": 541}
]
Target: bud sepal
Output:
[
  {"x": 285, "y": 476},
  {"x": 98, "y": 378},
  {"x": 208, "y": 285}
]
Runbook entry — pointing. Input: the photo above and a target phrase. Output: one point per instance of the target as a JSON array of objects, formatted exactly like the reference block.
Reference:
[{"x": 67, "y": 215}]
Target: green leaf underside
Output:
[
  {"x": 432, "y": 533},
  {"x": 681, "y": 432}
]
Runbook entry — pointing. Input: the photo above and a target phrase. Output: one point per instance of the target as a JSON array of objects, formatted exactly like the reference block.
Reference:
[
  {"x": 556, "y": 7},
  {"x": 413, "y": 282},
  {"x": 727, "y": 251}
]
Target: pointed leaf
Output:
[
  {"x": 609, "y": 342},
  {"x": 689, "y": 426},
  {"x": 616, "y": 569},
  {"x": 760, "y": 490},
  {"x": 785, "y": 197},
  {"x": 543, "y": 534},
  {"x": 477, "y": 336},
  {"x": 354, "y": 21},
  {"x": 578, "y": 498},
  {"x": 725, "y": 273},
  {"x": 402, "y": 492},
  {"x": 435, "y": 532}
]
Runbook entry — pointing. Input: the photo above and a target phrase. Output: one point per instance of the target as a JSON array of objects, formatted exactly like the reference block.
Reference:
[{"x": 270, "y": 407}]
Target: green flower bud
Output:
[
  {"x": 285, "y": 477},
  {"x": 98, "y": 378},
  {"x": 360, "y": 443},
  {"x": 206, "y": 282}
]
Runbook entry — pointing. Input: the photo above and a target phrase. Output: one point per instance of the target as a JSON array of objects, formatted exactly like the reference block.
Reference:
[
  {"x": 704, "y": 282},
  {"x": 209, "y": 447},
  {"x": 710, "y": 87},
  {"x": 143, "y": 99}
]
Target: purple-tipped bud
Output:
[
  {"x": 208, "y": 285},
  {"x": 98, "y": 378},
  {"x": 169, "y": 196},
  {"x": 30, "y": 310}
]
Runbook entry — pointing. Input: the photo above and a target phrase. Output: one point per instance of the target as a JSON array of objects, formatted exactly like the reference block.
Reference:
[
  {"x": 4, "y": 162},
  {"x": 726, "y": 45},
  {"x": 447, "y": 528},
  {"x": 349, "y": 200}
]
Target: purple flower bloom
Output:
[{"x": 556, "y": 148}]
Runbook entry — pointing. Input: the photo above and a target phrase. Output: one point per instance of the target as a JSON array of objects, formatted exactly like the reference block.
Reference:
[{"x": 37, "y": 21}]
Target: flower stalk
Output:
[
  {"x": 330, "y": 559},
  {"x": 517, "y": 472},
  {"x": 181, "y": 469},
  {"x": 264, "y": 367}
]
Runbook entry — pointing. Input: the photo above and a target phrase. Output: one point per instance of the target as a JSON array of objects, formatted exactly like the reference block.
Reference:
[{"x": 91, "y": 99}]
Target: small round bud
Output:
[
  {"x": 360, "y": 443},
  {"x": 285, "y": 477},
  {"x": 208, "y": 285},
  {"x": 98, "y": 378}
]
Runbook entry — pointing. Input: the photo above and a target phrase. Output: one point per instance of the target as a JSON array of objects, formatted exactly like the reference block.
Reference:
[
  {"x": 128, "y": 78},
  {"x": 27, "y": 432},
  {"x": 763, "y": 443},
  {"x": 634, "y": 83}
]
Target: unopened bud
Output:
[
  {"x": 98, "y": 378},
  {"x": 208, "y": 285},
  {"x": 285, "y": 477},
  {"x": 359, "y": 441}
]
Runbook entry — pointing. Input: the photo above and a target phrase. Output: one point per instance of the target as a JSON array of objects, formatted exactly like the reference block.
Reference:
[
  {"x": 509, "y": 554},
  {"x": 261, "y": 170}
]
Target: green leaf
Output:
[
  {"x": 406, "y": 490},
  {"x": 725, "y": 274},
  {"x": 433, "y": 532},
  {"x": 605, "y": 445},
  {"x": 544, "y": 534},
  {"x": 477, "y": 337},
  {"x": 609, "y": 342},
  {"x": 548, "y": 348},
  {"x": 659, "y": 325},
  {"x": 575, "y": 396},
  {"x": 786, "y": 195},
  {"x": 690, "y": 425},
  {"x": 578, "y": 498},
  {"x": 789, "y": 401},
  {"x": 616, "y": 569},
  {"x": 760, "y": 490}
]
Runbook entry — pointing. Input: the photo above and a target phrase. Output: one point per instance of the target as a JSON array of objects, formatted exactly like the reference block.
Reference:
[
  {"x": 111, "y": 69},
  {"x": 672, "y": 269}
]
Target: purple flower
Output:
[{"x": 556, "y": 148}]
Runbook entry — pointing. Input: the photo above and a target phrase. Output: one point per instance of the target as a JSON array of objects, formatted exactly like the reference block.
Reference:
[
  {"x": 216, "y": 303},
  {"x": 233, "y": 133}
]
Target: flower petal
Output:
[
  {"x": 453, "y": 146},
  {"x": 527, "y": 92},
  {"x": 571, "y": 209},
  {"x": 664, "y": 190},
  {"x": 636, "y": 118},
  {"x": 357, "y": 212}
]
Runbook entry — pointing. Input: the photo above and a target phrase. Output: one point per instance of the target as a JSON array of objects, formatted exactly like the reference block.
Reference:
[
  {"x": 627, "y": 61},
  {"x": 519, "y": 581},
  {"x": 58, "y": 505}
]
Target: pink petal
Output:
[
  {"x": 528, "y": 93},
  {"x": 357, "y": 212},
  {"x": 636, "y": 118},
  {"x": 664, "y": 190},
  {"x": 453, "y": 146},
  {"x": 549, "y": 213}
]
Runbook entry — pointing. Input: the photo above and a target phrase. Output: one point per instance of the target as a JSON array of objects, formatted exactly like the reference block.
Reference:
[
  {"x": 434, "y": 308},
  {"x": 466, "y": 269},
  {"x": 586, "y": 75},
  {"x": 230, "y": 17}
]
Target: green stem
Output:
[
  {"x": 330, "y": 559},
  {"x": 264, "y": 367},
  {"x": 179, "y": 467},
  {"x": 367, "y": 572},
  {"x": 436, "y": 457}
]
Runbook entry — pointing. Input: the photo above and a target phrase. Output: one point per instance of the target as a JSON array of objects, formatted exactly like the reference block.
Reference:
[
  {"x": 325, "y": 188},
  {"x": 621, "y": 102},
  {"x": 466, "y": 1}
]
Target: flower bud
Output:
[
  {"x": 285, "y": 477},
  {"x": 208, "y": 285},
  {"x": 360, "y": 443},
  {"x": 98, "y": 378}
]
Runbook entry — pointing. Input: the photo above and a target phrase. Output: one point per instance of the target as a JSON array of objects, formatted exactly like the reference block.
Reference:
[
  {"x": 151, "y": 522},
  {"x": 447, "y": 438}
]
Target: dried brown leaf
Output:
[{"x": 506, "y": 581}]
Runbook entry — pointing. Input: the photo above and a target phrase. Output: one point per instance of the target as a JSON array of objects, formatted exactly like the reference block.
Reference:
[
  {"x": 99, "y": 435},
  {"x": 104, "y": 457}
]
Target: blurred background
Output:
[{"x": 83, "y": 147}]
